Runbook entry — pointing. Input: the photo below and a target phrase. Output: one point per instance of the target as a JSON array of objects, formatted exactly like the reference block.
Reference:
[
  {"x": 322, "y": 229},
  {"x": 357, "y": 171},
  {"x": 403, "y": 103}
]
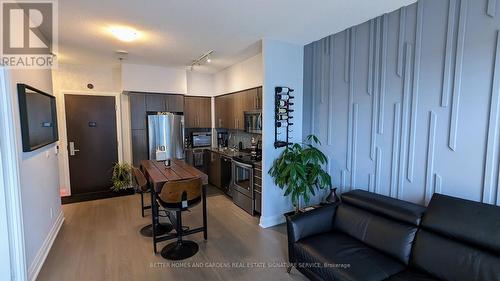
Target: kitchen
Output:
[{"x": 229, "y": 149}]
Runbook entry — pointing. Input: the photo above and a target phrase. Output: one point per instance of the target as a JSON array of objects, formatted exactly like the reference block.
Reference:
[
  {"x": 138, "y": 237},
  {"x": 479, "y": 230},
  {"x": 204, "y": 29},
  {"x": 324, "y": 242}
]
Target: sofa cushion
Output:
[
  {"x": 412, "y": 275},
  {"x": 391, "y": 237},
  {"x": 385, "y": 206},
  {"x": 471, "y": 222},
  {"x": 346, "y": 258},
  {"x": 448, "y": 259}
]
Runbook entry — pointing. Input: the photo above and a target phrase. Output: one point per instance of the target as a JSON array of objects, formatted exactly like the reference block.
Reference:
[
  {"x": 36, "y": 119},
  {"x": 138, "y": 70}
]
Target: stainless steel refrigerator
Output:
[{"x": 166, "y": 132}]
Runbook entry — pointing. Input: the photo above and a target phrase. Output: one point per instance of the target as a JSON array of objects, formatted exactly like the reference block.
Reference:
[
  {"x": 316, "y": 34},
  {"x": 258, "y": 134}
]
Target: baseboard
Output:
[
  {"x": 37, "y": 263},
  {"x": 266, "y": 222}
]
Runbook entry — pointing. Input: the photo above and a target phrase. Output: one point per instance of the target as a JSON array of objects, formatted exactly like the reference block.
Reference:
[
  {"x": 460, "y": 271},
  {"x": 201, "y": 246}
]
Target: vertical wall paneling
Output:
[
  {"x": 395, "y": 149},
  {"x": 371, "y": 183},
  {"x": 429, "y": 170},
  {"x": 324, "y": 70},
  {"x": 375, "y": 90},
  {"x": 491, "y": 160},
  {"x": 415, "y": 90},
  {"x": 457, "y": 83},
  {"x": 491, "y": 8},
  {"x": 351, "y": 38},
  {"x": 438, "y": 183},
  {"x": 427, "y": 102},
  {"x": 347, "y": 55},
  {"x": 343, "y": 176},
  {"x": 314, "y": 88},
  {"x": 445, "y": 96},
  {"x": 383, "y": 71},
  {"x": 370, "y": 57},
  {"x": 354, "y": 143},
  {"x": 330, "y": 93},
  {"x": 378, "y": 169},
  {"x": 401, "y": 40},
  {"x": 404, "y": 118}
]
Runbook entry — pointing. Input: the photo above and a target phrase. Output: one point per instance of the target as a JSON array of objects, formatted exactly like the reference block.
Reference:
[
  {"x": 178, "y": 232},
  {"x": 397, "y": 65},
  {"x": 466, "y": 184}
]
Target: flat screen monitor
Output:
[{"x": 38, "y": 117}]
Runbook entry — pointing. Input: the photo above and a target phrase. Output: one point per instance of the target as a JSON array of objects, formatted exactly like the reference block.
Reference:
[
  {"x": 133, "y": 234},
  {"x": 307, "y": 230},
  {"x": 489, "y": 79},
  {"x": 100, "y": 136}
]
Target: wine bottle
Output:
[
  {"x": 282, "y": 103},
  {"x": 284, "y": 90},
  {"x": 284, "y": 110},
  {"x": 283, "y": 117},
  {"x": 284, "y": 97},
  {"x": 283, "y": 124}
]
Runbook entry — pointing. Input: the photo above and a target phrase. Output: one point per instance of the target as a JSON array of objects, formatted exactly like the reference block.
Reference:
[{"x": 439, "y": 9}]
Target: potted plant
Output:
[
  {"x": 122, "y": 177},
  {"x": 299, "y": 171}
]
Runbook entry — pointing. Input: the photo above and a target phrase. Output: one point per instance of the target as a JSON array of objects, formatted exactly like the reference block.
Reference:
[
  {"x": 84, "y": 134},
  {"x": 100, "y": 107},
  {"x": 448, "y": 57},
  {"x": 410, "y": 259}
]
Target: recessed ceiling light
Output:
[
  {"x": 209, "y": 60},
  {"x": 123, "y": 33}
]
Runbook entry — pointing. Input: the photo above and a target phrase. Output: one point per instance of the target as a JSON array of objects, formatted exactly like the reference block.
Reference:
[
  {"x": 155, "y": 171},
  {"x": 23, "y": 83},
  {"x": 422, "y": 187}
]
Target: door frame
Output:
[
  {"x": 10, "y": 187},
  {"x": 63, "y": 135}
]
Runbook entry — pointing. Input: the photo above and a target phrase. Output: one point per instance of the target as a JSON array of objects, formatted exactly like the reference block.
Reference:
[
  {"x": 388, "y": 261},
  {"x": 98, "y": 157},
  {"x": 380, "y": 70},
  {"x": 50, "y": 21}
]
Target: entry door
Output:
[{"x": 92, "y": 142}]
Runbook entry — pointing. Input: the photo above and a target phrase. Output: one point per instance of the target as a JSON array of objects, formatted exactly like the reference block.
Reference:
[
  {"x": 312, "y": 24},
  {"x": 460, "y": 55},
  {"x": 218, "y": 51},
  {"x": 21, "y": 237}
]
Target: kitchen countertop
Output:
[{"x": 229, "y": 152}]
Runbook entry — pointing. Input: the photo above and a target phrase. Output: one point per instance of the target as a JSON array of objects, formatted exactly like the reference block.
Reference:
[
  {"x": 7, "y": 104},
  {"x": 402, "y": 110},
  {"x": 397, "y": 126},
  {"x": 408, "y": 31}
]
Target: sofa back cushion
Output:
[
  {"x": 386, "y": 224},
  {"x": 459, "y": 240}
]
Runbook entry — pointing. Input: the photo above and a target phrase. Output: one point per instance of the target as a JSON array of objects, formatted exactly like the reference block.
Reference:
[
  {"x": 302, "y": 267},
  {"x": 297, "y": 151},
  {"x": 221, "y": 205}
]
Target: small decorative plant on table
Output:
[
  {"x": 122, "y": 177},
  {"x": 299, "y": 171}
]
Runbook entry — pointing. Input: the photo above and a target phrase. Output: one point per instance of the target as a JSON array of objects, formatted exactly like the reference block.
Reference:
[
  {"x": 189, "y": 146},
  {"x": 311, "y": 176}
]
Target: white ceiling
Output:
[{"x": 176, "y": 32}]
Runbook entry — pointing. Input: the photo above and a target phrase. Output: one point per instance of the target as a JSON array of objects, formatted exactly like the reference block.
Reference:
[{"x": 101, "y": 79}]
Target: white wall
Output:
[
  {"x": 155, "y": 79},
  {"x": 39, "y": 178},
  {"x": 240, "y": 76},
  {"x": 200, "y": 84},
  {"x": 282, "y": 66}
]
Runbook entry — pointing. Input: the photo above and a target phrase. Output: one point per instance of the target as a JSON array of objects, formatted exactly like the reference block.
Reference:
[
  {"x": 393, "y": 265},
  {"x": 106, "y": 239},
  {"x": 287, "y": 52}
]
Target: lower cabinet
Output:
[{"x": 214, "y": 171}]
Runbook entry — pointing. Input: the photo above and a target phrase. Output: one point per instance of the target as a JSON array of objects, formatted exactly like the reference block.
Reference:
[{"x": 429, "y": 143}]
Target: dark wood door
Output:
[{"x": 92, "y": 142}]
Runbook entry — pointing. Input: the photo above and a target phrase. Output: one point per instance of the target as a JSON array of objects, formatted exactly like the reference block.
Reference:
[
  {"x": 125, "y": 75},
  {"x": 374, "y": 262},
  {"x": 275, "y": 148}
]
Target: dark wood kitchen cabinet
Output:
[
  {"x": 139, "y": 146},
  {"x": 138, "y": 111},
  {"x": 162, "y": 102},
  {"x": 198, "y": 112},
  {"x": 230, "y": 108},
  {"x": 174, "y": 103},
  {"x": 140, "y": 104},
  {"x": 155, "y": 102},
  {"x": 214, "y": 169}
]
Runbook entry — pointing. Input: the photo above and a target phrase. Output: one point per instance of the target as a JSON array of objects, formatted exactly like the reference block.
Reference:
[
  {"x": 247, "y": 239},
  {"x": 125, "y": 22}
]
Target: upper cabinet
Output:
[
  {"x": 230, "y": 108},
  {"x": 198, "y": 112},
  {"x": 155, "y": 102},
  {"x": 174, "y": 103}
]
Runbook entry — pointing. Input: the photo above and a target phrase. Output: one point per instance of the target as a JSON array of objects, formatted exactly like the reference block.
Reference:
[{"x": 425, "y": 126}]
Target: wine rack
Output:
[{"x": 282, "y": 116}]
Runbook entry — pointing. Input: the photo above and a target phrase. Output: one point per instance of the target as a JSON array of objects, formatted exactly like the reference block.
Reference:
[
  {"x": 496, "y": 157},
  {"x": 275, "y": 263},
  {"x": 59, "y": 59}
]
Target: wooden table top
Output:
[{"x": 159, "y": 174}]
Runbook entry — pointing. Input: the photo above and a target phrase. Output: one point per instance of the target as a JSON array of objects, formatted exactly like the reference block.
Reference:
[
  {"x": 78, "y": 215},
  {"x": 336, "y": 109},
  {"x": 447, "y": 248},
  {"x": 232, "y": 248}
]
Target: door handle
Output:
[{"x": 72, "y": 150}]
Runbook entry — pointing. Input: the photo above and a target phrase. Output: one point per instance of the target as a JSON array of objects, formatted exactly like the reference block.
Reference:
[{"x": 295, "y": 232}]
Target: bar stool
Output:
[
  {"x": 180, "y": 196},
  {"x": 143, "y": 187}
]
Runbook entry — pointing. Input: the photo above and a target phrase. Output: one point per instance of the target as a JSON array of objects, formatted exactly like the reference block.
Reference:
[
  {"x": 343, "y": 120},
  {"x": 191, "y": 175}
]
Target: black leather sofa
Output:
[{"x": 373, "y": 237}]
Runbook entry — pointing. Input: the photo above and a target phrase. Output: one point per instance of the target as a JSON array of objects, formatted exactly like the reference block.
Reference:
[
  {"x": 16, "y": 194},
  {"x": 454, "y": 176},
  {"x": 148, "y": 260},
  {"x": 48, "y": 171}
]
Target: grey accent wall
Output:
[{"x": 407, "y": 104}]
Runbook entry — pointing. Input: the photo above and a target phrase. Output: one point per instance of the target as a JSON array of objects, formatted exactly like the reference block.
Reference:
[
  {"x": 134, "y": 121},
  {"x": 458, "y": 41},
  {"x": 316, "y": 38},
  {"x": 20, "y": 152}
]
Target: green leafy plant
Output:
[
  {"x": 299, "y": 171},
  {"x": 122, "y": 176}
]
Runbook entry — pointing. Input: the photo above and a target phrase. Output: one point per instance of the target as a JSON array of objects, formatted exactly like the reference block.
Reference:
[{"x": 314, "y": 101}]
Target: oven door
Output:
[{"x": 242, "y": 179}]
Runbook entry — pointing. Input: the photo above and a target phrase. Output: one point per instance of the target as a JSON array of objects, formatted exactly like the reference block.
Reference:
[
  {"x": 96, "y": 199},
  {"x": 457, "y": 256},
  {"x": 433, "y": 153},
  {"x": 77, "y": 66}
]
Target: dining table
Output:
[{"x": 158, "y": 174}]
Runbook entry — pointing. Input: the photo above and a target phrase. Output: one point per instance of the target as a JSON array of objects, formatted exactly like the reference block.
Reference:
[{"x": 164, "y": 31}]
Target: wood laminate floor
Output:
[{"x": 100, "y": 240}]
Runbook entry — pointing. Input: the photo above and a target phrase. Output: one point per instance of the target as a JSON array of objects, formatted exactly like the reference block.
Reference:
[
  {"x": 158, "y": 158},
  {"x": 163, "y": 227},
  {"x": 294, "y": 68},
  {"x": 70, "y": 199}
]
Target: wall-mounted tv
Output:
[{"x": 38, "y": 117}]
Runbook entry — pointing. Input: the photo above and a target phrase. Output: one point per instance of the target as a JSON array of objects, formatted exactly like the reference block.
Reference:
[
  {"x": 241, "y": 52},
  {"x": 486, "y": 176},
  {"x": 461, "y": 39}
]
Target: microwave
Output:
[
  {"x": 201, "y": 139},
  {"x": 253, "y": 122}
]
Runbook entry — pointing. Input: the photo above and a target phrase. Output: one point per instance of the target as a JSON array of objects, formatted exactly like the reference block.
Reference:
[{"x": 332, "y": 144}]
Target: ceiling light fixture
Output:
[
  {"x": 123, "y": 33},
  {"x": 205, "y": 58}
]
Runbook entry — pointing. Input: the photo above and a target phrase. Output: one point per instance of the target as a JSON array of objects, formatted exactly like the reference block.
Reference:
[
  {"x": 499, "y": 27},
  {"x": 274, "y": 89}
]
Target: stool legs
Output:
[{"x": 180, "y": 249}]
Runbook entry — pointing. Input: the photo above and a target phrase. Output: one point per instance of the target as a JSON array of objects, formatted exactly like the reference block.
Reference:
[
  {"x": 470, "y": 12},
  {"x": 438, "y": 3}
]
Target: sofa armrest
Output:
[{"x": 313, "y": 222}]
